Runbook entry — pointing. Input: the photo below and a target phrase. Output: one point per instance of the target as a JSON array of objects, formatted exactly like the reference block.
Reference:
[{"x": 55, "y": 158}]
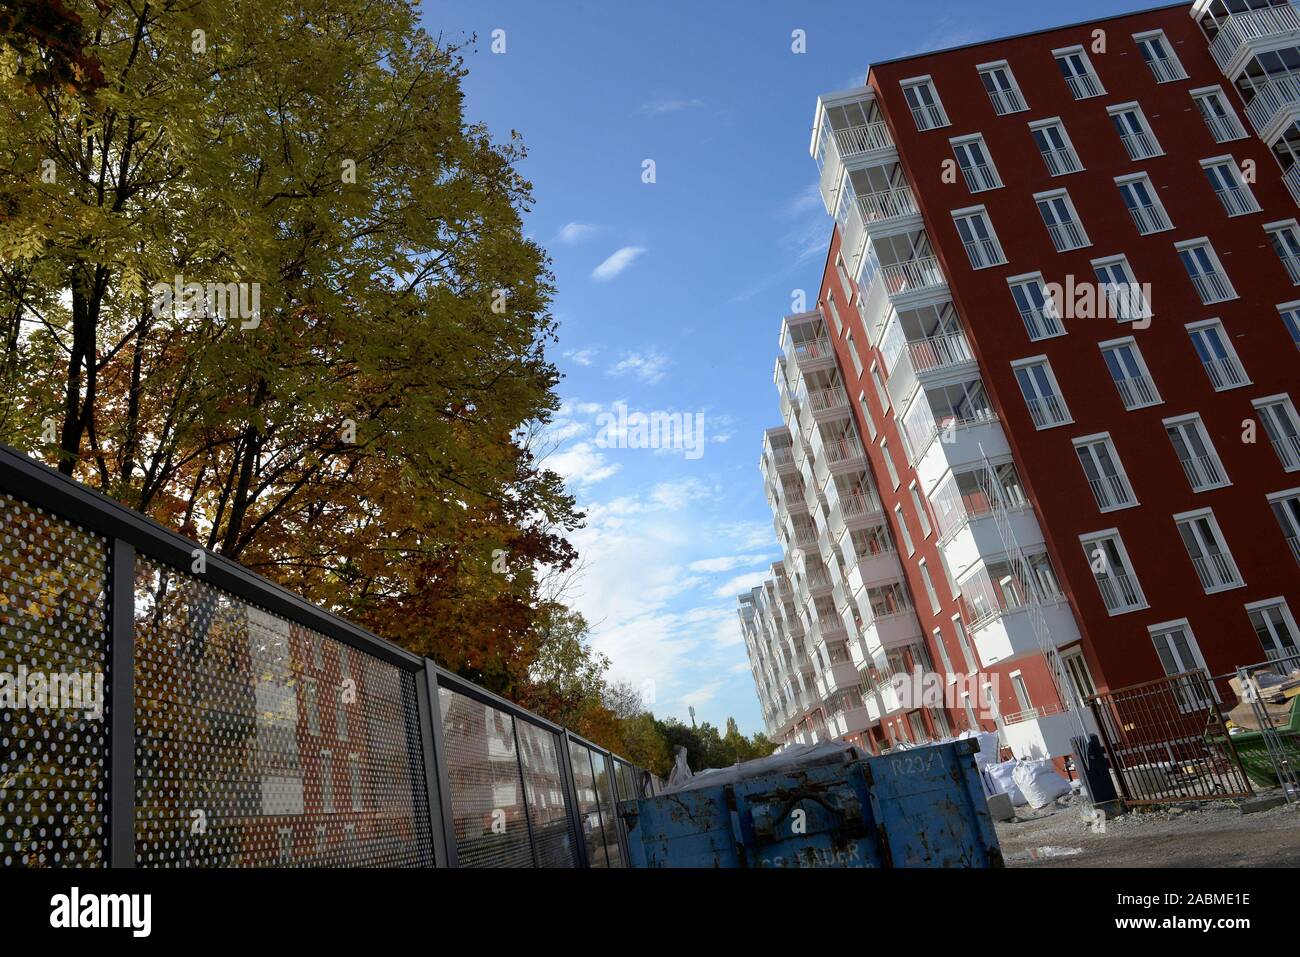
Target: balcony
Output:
[
  {"x": 1274, "y": 104},
  {"x": 1292, "y": 180},
  {"x": 1150, "y": 219},
  {"x": 1084, "y": 85},
  {"x": 1011, "y": 635},
  {"x": 941, "y": 353},
  {"x": 873, "y": 568},
  {"x": 1043, "y": 732},
  {"x": 823, "y": 404},
  {"x": 897, "y": 630},
  {"x": 914, "y": 276},
  {"x": 887, "y": 207},
  {"x": 852, "y": 720},
  {"x": 1067, "y": 235},
  {"x": 1213, "y": 286},
  {"x": 1137, "y": 391},
  {"x": 1224, "y": 373},
  {"x": 1062, "y": 161},
  {"x": 850, "y": 146},
  {"x": 840, "y": 676},
  {"x": 1233, "y": 44}
]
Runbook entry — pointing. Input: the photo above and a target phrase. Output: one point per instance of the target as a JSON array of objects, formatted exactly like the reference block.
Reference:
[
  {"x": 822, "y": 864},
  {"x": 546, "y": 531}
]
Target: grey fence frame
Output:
[{"x": 129, "y": 533}]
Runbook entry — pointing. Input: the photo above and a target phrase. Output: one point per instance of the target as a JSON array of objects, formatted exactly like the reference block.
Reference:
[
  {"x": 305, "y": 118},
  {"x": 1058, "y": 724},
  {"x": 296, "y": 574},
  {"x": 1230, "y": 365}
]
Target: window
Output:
[
  {"x": 1225, "y": 179},
  {"x": 977, "y": 236},
  {"x": 1290, "y": 312},
  {"x": 1217, "y": 355},
  {"x": 937, "y": 636},
  {"x": 1021, "y": 691},
  {"x": 903, "y": 533},
  {"x": 1160, "y": 57},
  {"x": 889, "y": 466},
  {"x": 922, "y": 517},
  {"x": 853, "y": 352},
  {"x": 1129, "y": 373},
  {"x": 1275, "y": 629},
  {"x": 1113, "y": 572},
  {"x": 1042, "y": 395},
  {"x": 1208, "y": 551},
  {"x": 1144, "y": 206},
  {"x": 867, "y": 417},
  {"x": 1124, "y": 297},
  {"x": 354, "y": 780},
  {"x": 1202, "y": 265},
  {"x": 1055, "y": 147},
  {"x": 1078, "y": 72},
  {"x": 929, "y": 586},
  {"x": 923, "y": 100},
  {"x": 1001, "y": 86},
  {"x": 1178, "y": 653},
  {"x": 879, "y": 381},
  {"x": 1218, "y": 115},
  {"x": 1062, "y": 221},
  {"x": 976, "y": 166},
  {"x": 1285, "y": 238},
  {"x": 834, "y": 310},
  {"x": 1196, "y": 453},
  {"x": 963, "y": 642},
  {"x": 1076, "y": 667},
  {"x": 1286, "y": 509},
  {"x": 1037, "y": 310},
  {"x": 1283, "y": 428},
  {"x": 1101, "y": 467},
  {"x": 327, "y": 781},
  {"x": 1134, "y": 132}
]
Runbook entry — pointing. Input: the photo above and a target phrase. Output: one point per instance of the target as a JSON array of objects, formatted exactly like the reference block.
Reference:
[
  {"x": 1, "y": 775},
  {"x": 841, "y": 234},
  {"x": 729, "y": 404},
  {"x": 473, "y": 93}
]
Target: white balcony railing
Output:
[
  {"x": 1084, "y": 85},
  {"x": 1215, "y": 571},
  {"x": 1224, "y": 373},
  {"x": 828, "y": 400},
  {"x": 842, "y": 450},
  {"x": 1203, "y": 471},
  {"x": 1166, "y": 70},
  {"x": 1212, "y": 287},
  {"x": 1061, "y": 161},
  {"x": 887, "y": 204},
  {"x": 1287, "y": 448},
  {"x": 863, "y": 139},
  {"x": 1067, "y": 235},
  {"x": 1270, "y": 99},
  {"x": 1292, "y": 180},
  {"x": 911, "y": 276},
  {"x": 1237, "y": 201},
  {"x": 939, "y": 352},
  {"x": 1150, "y": 219},
  {"x": 1006, "y": 101},
  {"x": 1137, "y": 391},
  {"x": 1240, "y": 28},
  {"x": 1047, "y": 410},
  {"x": 1292, "y": 265},
  {"x": 980, "y": 177},
  {"x": 1120, "y": 591},
  {"x": 1040, "y": 323},
  {"x": 984, "y": 253},
  {"x": 1140, "y": 145},
  {"x": 1111, "y": 491},
  {"x": 1223, "y": 128}
]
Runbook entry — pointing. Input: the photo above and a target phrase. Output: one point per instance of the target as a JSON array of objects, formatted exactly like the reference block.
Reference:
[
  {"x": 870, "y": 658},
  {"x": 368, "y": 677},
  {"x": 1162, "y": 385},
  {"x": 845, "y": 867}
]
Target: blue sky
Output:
[{"x": 670, "y": 294}]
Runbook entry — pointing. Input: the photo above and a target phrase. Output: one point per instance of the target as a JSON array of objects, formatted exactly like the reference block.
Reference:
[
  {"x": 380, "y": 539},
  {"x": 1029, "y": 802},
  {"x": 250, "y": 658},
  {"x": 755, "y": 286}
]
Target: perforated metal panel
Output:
[
  {"x": 605, "y": 791},
  {"x": 486, "y": 786},
  {"x": 53, "y": 675},
  {"x": 262, "y": 743},
  {"x": 584, "y": 782},
  {"x": 548, "y": 804}
]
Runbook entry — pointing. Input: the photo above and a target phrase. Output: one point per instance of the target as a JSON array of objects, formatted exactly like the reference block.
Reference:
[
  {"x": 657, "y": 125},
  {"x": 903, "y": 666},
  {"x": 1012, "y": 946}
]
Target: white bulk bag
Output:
[
  {"x": 1001, "y": 780},
  {"x": 1039, "y": 782}
]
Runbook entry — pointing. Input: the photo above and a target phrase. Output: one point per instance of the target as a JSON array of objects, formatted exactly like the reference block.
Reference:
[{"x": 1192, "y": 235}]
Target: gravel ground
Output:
[{"x": 1214, "y": 834}]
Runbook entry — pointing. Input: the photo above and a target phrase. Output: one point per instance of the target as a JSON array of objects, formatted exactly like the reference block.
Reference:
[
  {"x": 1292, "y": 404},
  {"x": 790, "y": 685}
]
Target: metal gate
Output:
[
  {"x": 1166, "y": 742},
  {"x": 1271, "y": 754}
]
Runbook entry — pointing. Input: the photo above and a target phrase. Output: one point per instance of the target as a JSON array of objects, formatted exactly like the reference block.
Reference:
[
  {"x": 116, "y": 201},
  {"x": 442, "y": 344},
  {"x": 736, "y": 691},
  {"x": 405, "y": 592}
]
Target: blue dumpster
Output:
[{"x": 923, "y": 807}]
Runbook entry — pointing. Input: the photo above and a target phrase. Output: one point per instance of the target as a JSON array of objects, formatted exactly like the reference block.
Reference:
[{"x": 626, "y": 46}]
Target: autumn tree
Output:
[{"x": 341, "y": 402}]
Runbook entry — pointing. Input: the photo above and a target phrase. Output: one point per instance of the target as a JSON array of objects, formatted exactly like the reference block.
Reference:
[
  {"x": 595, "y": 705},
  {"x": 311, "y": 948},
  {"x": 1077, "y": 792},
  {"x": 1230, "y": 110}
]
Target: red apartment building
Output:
[{"x": 1063, "y": 303}]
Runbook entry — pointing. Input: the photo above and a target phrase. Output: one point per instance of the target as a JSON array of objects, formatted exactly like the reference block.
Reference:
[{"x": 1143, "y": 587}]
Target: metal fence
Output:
[
  {"x": 155, "y": 712},
  {"x": 1166, "y": 741},
  {"x": 1267, "y": 714}
]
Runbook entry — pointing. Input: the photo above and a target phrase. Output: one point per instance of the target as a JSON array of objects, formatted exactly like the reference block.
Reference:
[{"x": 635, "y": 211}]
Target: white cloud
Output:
[
  {"x": 649, "y": 366},
  {"x": 571, "y": 234},
  {"x": 728, "y": 563},
  {"x": 669, "y": 105},
  {"x": 583, "y": 357},
  {"x": 581, "y": 464},
  {"x": 740, "y": 584},
  {"x": 616, "y": 263}
]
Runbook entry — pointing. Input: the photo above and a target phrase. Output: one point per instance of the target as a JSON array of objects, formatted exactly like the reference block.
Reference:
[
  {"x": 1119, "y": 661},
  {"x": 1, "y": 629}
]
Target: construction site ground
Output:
[{"x": 1214, "y": 834}]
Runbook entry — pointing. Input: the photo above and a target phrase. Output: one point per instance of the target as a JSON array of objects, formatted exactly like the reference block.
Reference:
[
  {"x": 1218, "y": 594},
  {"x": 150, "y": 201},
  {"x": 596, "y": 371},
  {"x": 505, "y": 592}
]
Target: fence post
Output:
[
  {"x": 523, "y": 792},
  {"x": 121, "y": 704},
  {"x": 436, "y": 770},
  {"x": 575, "y": 812}
]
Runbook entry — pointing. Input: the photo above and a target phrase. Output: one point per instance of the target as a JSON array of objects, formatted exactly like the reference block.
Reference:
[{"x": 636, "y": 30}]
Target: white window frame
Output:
[
  {"x": 969, "y": 653},
  {"x": 1159, "y": 632},
  {"x": 903, "y": 533},
  {"x": 1131, "y": 394},
  {"x": 1220, "y": 287},
  {"x": 867, "y": 416},
  {"x": 1224, "y": 571},
  {"x": 1068, "y": 661},
  {"x": 1036, "y": 319},
  {"x": 1087, "y": 83},
  {"x": 983, "y": 253},
  {"x": 918, "y": 503},
  {"x": 1057, "y": 159},
  {"x": 1289, "y": 313},
  {"x": 928, "y": 581},
  {"x": 1199, "y": 471},
  {"x": 1279, "y": 602},
  {"x": 1166, "y": 69},
  {"x": 1224, "y": 127},
  {"x": 979, "y": 177},
  {"x": 936, "y": 117},
  {"x": 1288, "y": 519},
  {"x": 878, "y": 381},
  {"x": 1033, "y": 362},
  {"x": 889, "y": 464},
  {"x": 1224, "y": 372},
  {"x": 853, "y": 351},
  {"x": 1232, "y": 191},
  {"x": 1142, "y": 144},
  {"x": 1112, "y": 493},
  {"x": 1010, "y": 100},
  {"x": 1125, "y": 300},
  {"x": 1290, "y": 262},
  {"x": 1287, "y": 447},
  {"x": 1090, "y": 541},
  {"x": 1148, "y": 219},
  {"x": 1059, "y": 231}
]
